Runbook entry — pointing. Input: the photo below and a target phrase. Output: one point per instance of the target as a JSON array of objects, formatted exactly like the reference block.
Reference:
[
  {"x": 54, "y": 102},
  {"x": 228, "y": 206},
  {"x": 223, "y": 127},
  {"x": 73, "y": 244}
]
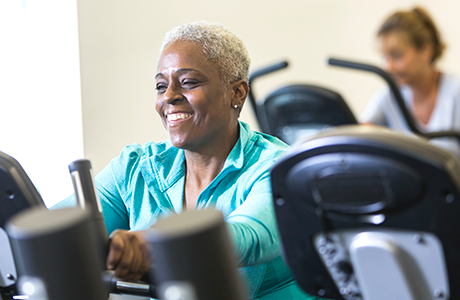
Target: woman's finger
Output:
[
  {"x": 123, "y": 269},
  {"x": 136, "y": 265},
  {"x": 116, "y": 250}
]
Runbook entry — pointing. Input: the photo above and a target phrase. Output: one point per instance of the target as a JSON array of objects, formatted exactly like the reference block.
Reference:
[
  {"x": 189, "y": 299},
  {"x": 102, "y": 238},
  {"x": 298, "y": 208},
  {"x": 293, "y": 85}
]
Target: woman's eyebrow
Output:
[{"x": 184, "y": 70}]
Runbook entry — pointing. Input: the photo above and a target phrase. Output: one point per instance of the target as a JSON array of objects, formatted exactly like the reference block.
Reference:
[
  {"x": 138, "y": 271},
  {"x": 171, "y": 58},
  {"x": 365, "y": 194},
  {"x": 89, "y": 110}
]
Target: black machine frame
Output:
[{"x": 267, "y": 117}]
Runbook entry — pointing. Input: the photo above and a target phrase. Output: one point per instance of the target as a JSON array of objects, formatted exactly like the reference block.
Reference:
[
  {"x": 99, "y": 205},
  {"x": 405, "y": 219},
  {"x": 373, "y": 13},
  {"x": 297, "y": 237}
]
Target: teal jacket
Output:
[{"x": 146, "y": 183}]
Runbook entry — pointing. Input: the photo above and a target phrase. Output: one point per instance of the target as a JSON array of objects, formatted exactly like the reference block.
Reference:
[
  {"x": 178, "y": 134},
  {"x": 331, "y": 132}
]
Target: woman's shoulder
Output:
[
  {"x": 450, "y": 84},
  {"x": 269, "y": 142},
  {"x": 131, "y": 159},
  {"x": 136, "y": 152},
  {"x": 384, "y": 94},
  {"x": 146, "y": 150},
  {"x": 262, "y": 140},
  {"x": 382, "y": 97}
]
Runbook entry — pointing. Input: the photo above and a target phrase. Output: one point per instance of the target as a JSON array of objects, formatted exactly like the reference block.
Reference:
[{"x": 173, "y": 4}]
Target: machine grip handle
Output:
[
  {"x": 85, "y": 192},
  {"x": 118, "y": 286},
  {"x": 82, "y": 180}
]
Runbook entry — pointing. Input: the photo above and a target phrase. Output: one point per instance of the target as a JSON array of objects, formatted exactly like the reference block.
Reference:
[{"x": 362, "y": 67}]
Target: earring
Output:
[{"x": 235, "y": 106}]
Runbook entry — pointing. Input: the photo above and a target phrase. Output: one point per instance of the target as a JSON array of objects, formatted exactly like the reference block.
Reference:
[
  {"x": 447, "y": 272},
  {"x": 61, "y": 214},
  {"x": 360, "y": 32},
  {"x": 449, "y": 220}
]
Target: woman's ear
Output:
[{"x": 240, "y": 91}]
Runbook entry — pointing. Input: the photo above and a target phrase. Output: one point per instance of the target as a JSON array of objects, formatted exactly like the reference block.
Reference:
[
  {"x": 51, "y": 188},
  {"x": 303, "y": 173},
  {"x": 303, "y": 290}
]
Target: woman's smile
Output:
[{"x": 174, "y": 119}]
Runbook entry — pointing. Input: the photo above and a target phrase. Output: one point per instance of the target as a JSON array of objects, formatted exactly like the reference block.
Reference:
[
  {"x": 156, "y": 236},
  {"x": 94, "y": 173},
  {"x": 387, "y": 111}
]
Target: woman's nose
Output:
[
  {"x": 388, "y": 65},
  {"x": 172, "y": 94}
]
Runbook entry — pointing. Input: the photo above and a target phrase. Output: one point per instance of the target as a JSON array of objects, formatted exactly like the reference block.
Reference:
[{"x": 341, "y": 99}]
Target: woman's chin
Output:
[
  {"x": 176, "y": 142},
  {"x": 180, "y": 142},
  {"x": 401, "y": 79}
]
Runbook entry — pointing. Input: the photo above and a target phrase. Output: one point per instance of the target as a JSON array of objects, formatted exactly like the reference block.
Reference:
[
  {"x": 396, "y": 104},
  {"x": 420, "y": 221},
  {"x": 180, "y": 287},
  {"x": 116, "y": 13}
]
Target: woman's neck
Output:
[
  {"x": 426, "y": 86},
  {"x": 208, "y": 161},
  {"x": 203, "y": 166},
  {"x": 201, "y": 170},
  {"x": 425, "y": 94}
]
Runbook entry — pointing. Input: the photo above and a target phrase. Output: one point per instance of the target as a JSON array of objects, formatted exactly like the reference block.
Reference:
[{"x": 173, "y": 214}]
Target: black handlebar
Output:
[
  {"x": 270, "y": 69},
  {"x": 87, "y": 198},
  {"x": 397, "y": 95},
  {"x": 117, "y": 286},
  {"x": 259, "y": 73},
  {"x": 85, "y": 192},
  {"x": 82, "y": 180}
]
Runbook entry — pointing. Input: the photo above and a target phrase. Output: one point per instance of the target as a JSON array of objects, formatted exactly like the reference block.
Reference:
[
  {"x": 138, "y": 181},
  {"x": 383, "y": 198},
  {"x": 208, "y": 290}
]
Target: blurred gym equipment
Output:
[
  {"x": 61, "y": 254},
  {"x": 367, "y": 213},
  {"x": 297, "y": 110}
]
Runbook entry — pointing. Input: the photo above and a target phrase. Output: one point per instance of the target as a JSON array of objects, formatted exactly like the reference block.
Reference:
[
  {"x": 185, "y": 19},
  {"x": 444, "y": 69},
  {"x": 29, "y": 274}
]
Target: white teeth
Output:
[{"x": 174, "y": 117}]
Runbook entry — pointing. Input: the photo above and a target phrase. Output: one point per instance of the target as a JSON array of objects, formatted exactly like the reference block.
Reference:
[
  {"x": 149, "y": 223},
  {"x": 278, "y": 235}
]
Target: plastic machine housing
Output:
[
  {"x": 300, "y": 110},
  {"x": 297, "y": 110},
  {"x": 16, "y": 194},
  {"x": 363, "y": 211},
  {"x": 16, "y": 190}
]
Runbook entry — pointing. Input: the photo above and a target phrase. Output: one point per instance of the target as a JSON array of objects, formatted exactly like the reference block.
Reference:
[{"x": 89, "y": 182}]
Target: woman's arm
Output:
[
  {"x": 128, "y": 254},
  {"x": 374, "y": 113},
  {"x": 113, "y": 207},
  {"x": 252, "y": 226}
]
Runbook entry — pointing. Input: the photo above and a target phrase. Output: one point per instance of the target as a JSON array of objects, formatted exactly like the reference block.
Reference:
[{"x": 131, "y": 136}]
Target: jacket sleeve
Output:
[
  {"x": 253, "y": 227},
  {"x": 112, "y": 185},
  {"x": 113, "y": 208}
]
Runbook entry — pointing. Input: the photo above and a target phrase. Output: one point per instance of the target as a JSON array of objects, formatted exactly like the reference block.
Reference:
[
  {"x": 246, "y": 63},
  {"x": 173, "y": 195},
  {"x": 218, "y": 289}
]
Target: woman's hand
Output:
[{"x": 128, "y": 254}]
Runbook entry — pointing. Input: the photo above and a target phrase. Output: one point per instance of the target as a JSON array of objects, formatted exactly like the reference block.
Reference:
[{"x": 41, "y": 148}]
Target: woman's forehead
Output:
[
  {"x": 394, "y": 40},
  {"x": 184, "y": 55}
]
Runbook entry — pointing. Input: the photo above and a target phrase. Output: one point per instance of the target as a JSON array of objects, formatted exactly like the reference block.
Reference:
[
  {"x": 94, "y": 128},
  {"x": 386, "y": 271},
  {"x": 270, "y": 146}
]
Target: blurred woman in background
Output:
[{"x": 411, "y": 45}]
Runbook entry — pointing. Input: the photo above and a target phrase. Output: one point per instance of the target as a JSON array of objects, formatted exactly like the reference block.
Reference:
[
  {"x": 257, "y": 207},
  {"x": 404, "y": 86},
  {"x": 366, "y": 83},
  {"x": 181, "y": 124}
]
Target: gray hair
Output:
[{"x": 220, "y": 46}]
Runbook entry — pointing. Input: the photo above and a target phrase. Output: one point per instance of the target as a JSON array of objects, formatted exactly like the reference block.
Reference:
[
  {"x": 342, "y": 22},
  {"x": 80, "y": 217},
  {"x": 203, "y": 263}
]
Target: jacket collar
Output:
[{"x": 167, "y": 167}]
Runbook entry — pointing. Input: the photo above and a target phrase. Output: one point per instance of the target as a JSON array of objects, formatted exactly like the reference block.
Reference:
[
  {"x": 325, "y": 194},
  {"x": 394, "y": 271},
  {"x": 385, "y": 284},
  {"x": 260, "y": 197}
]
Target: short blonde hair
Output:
[{"x": 220, "y": 46}]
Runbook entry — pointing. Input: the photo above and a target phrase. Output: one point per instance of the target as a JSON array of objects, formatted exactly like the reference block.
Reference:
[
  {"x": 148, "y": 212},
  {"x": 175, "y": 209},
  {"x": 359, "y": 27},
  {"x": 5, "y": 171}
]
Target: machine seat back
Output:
[{"x": 295, "y": 111}]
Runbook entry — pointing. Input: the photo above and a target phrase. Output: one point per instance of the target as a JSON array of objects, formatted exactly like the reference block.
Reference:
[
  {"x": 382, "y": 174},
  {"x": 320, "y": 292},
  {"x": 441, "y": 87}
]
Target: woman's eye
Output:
[
  {"x": 397, "y": 55},
  {"x": 161, "y": 88},
  {"x": 190, "y": 83}
]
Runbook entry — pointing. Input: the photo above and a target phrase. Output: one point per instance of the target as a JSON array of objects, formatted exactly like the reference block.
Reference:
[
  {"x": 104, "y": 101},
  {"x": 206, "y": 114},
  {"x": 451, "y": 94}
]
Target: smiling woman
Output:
[
  {"x": 196, "y": 108},
  {"x": 212, "y": 160}
]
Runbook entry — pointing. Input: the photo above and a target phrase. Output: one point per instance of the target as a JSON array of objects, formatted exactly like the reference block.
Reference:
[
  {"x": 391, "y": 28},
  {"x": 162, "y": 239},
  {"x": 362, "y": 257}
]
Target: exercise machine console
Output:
[{"x": 367, "y": 213}]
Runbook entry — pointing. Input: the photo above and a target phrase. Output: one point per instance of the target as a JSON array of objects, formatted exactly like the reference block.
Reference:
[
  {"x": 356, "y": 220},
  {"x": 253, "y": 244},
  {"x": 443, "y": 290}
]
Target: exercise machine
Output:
[
  {"x": 296, "y": 111},
  {"x": 61, "y": 254},
  {"x": 367, "y": 213},
  {"x": 16, "y": 194}
]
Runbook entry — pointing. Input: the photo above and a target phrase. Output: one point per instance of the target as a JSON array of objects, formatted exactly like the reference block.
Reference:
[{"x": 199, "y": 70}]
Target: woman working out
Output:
[
  {"x": 211, "y": 160},
  {"x": 411, "y": 45}
]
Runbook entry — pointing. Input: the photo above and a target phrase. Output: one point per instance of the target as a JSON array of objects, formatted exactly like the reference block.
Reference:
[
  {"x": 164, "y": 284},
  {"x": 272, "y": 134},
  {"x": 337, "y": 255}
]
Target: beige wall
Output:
[{"x": 119, "y": 42}]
